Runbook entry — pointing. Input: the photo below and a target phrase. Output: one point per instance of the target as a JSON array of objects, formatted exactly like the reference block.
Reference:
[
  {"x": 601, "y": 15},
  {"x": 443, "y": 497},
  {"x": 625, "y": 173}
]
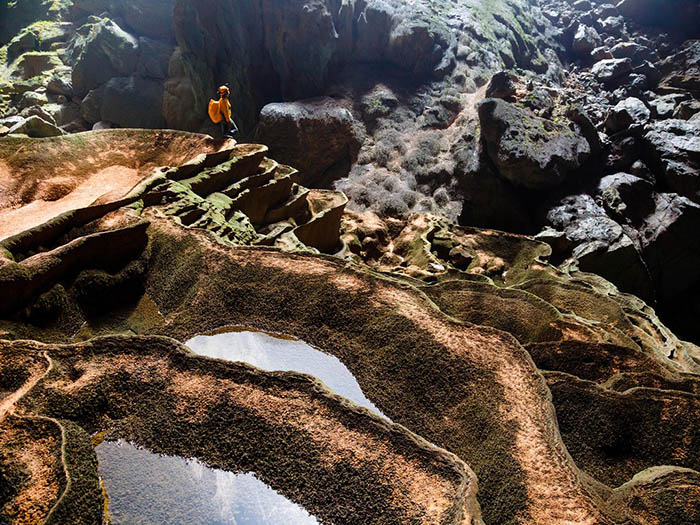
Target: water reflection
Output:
[
  {"x": 149, "y": 489},
  {"x": 271, "y": 352}
]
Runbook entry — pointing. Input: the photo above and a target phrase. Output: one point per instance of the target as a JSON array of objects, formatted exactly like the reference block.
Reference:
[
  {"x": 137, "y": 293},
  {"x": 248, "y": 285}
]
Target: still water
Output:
[
  {"x": 271, "y": 352},
  {"x": 149, "y": 489}
]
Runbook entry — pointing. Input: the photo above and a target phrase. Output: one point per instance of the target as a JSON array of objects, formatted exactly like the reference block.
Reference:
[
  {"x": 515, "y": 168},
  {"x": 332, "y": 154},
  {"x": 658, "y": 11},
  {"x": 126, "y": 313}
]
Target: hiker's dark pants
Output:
[{"x": 228, "y": 129}]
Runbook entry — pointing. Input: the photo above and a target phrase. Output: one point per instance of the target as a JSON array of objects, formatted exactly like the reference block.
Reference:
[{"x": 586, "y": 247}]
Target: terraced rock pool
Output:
[
  {"x": 144, "y": 488},
  {"x": 274, "y": 352}
]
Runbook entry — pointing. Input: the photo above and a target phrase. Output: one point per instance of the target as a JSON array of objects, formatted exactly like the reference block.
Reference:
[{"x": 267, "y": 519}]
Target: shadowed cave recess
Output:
[{"x": 447, "y": 271}]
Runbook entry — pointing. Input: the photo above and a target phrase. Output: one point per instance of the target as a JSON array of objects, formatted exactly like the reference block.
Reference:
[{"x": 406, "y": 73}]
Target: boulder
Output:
[
  {"x": 672, "y": 258},
  {"x": 663, "y": 107},
  {"x": 501, "y": 85},
  {"x": 64, "y": 113},
  {"x": 626, "y": 197},
  {"x": 527, "y": 150},
  {"x": 91, "y": 105},
  {"x": 601, "y": 53},
  {"x": 106, "y": 52},
  {"x": 613, "y": 25},
  {"x": 599, "y": 244},
  {"x": 312, "y": 135},
  {"x": 612, "y": 69},
  {"x": 61, "y": 83},
  {"x": 673, "y": 149},
  {"x": 133, "y": 102},
  {"x": 36, "y": 127},
  {"x": 585, "y": 40},
  {"x": 686, "y": 109},
  {"x": 634, "y": 51},
  {"x": 628, "y": 112},
  {"x": 35, "y": 63}
]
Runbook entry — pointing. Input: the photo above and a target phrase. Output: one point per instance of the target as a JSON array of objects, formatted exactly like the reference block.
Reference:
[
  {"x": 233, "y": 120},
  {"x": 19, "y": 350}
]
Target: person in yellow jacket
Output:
[{"x": 220, "y": 113}]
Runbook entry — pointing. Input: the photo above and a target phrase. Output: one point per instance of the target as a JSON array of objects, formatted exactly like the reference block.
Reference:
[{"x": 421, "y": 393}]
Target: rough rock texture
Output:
[
  {"x": 35, "y": 127},
  {"x": 527, "y": 150},
  {"x": 674, "y": 148},
  {"x": 628, "y": 112},
  {"x": 313, "y": 135},
  {"x": 404, "y": 295}
]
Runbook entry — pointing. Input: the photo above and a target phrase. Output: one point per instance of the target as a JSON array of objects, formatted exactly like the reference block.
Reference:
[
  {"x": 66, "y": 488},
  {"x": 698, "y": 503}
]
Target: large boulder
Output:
[
  {"x": 611, "y": 70},
  {"x": 586, "y": 39},
  {"x": 106, "y": 51},
  {"x": 673, "y": 148},
  {"x": 528, "y": 150},
  {"x": 667, "y": 240},
  {"x": 312, "y": 135},
  {"x": 36, "y": 127},
  {"x": 626, "y": 197},
  {"x": 600, "y": 245},
  {"x": 133, "y": 102},
  {"x": 628, "y": 112}
]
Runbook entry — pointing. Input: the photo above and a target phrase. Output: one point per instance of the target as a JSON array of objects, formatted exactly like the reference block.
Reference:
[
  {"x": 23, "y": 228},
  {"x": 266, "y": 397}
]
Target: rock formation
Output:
[{"x": 487, "y": 210}]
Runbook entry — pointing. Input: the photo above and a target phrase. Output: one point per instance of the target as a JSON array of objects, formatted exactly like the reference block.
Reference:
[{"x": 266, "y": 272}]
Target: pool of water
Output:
[
  {"x": 272, "y": 352},
  {"x": 144, "y": 488}
]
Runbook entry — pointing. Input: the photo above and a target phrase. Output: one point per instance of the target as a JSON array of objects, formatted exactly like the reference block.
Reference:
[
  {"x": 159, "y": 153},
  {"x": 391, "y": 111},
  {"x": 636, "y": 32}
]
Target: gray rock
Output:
[
  {"x": 685, "y": 110},
  {"x": 102, "y": 124},
  {"x": 61, "y": 84},
  {"x": 601, "y": 53},
  {"x": 642, "y": 171},
  {"x": 501, "y": 85},
  {"x": 108, "y": 51},
  {"x": 612, "y": 69},
  {"x": 600, "y": 245},
  {"x": 585, "y": 40},
  {"x": 133, "y": 102},
  {"x": 312, "y": 135},
  {"x": 528, "y": 150},
  {"x": 91, "y": 105},
  {"x": 672, "y": 258},
  {"x": 634, "y": 51},
  {"x": 663, "y": 107},
  {"x": 39, "y": 111},
  {"x": 34, "y": 64},
  {"x": 673, "y": 149},
  {"x": 32, "y": 98},
  {"x": 626, "y": 197},
  {"x": 612, "y": 25},
  {"x": 36, "y": 127},
  {"x": 629, "y": 112}
]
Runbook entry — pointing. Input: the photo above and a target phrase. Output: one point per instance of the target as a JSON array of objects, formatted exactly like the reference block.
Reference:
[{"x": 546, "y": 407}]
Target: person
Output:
[{"x": 220, "y": 113}]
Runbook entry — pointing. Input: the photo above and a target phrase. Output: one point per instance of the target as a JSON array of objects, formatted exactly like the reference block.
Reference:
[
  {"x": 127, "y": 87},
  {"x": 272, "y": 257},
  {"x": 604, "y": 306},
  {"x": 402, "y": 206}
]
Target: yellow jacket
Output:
[{"x": 220, "y": 110}]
